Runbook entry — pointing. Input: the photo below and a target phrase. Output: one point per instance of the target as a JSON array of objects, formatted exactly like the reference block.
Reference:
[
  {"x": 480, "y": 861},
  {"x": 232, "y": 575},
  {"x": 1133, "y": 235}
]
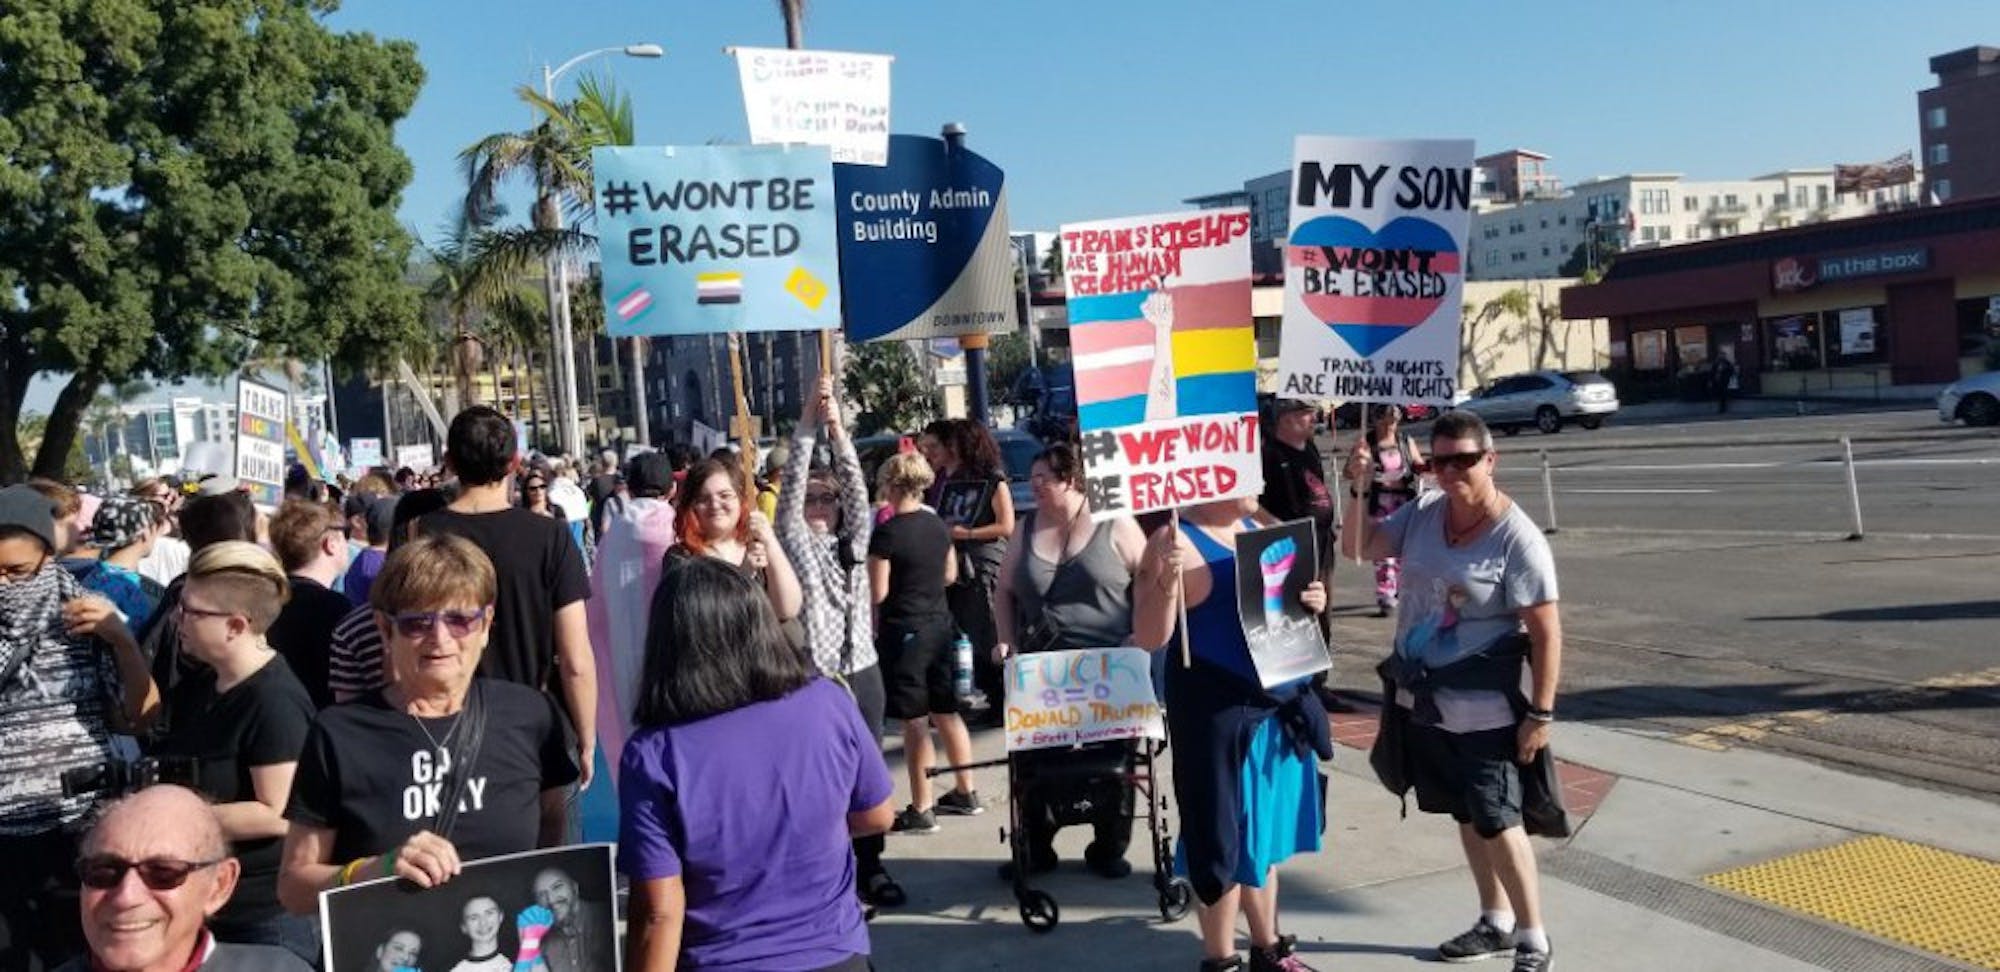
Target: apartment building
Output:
[{"x": 1958, "y": 125}]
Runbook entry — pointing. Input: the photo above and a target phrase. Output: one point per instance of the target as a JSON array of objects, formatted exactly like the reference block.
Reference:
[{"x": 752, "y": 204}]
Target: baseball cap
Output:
[
  {"x": 23, "y": 507},
  {"x": 121, "y": 522},
  {"x": 216, "y": 485}
]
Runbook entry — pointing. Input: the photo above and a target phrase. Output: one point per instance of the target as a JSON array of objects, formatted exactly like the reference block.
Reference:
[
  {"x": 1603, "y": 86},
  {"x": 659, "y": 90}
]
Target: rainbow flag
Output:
[{"x": 1213, "y": 348}]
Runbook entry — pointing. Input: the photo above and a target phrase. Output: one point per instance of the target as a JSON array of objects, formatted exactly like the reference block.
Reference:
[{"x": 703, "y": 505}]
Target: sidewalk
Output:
[{"x": 1627, "y": 892}]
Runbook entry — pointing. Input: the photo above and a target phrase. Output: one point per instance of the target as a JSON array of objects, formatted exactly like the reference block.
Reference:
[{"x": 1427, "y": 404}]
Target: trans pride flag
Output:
[{"x": 1159, "y": 316}]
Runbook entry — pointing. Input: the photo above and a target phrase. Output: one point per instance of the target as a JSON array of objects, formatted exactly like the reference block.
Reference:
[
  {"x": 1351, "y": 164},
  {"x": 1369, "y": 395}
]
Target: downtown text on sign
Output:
[
  {"x": 924, "y": 249},
  {"x": 717, "y": 238},
  {"x": 828, "y": 98},
  {"x": 260, "y": 441},
  {"x": 1374, "y": 269},
  {"x": 1165, "y": 359},
  {"x": 1068, "y": 698}
]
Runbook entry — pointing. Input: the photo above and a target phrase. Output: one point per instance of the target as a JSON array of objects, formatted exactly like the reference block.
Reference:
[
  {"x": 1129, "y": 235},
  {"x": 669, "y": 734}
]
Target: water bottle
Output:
[{"x": 961, "y": 667}]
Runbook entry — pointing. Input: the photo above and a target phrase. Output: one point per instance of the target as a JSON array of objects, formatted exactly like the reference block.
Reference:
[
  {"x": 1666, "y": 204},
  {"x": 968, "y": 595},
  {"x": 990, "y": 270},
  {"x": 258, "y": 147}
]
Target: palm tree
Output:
[{"x": 555, "y": 155}]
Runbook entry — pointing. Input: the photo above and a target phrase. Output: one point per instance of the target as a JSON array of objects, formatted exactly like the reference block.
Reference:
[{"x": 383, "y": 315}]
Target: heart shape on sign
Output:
[{"x": 1372, "y": 286}]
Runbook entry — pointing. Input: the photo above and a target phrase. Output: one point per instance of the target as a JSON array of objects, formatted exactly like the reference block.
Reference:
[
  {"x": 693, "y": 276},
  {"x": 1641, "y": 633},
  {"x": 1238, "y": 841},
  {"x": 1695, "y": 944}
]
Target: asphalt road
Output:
[{"x": 1709, "y": 593}]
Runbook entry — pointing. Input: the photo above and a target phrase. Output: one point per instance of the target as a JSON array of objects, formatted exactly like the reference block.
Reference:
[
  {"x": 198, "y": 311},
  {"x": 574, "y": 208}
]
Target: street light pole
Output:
[{"x": 562, "y": 337}]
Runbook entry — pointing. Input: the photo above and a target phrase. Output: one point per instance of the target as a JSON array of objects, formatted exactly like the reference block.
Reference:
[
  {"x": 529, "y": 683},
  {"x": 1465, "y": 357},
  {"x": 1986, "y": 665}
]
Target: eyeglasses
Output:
[
  {"x": 16, "y": 573},
  {"x": 535, "y": 488},
  {"x": 418, "y": 624},
  {"x": 1460, "y": 461},
  {"x": 822, "y": 499},
  {"x": 195, "y": 612},
  {"x": 104, "y": 872}
]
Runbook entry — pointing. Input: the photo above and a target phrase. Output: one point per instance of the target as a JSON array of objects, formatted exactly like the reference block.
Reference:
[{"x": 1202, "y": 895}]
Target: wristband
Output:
[
  {"x": 346, "y": 875},
  {"x": 389, "y": 862},
  {"x": 1541, "y": 715}
]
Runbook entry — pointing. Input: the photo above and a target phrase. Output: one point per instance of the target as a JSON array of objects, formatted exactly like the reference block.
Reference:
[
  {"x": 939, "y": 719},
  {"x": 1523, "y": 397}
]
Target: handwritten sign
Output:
[
  {"x": 364, "y": 454},
  {"x": 1374, "y": 270},
  {"x": 828, "y": 98},
  {"x": 1274, "y": 566},
  {"x": 419, "y": 458},
  {"x": 717, "y": 238},
  {"x": 1165, "y": 359},
  {"x": 260, "y": 441},
  {"x": 1067, "y": 698}
]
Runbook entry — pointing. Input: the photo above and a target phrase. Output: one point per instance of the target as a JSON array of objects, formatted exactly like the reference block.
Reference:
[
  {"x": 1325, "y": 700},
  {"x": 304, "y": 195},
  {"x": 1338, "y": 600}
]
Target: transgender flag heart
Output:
[{"x": 1372, "y": 286}]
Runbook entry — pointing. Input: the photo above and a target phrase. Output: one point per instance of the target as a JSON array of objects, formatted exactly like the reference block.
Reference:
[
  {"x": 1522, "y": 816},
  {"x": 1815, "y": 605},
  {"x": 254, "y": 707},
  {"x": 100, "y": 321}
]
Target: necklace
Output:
[
  {"x": 436, "y": 743},
  {"x": 1454, "y": 536}
]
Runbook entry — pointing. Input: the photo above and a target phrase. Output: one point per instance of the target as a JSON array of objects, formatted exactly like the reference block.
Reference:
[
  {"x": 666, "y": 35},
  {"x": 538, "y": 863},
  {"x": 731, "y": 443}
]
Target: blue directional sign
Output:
[{"x": 924, "y": 249}]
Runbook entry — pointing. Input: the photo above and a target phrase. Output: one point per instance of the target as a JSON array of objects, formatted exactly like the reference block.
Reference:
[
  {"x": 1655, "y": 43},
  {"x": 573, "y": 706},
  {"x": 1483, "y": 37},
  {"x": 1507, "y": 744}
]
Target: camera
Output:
[{"x": 130, "y": 776}]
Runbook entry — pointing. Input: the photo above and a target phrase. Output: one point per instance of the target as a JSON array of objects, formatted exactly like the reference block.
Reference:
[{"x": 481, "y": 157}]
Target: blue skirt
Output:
[{"x": 1282, "y": 807}]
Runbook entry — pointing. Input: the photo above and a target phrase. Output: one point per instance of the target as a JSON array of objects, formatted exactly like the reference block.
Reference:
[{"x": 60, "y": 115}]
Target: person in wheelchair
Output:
[{"x": 1067, "y": 584}]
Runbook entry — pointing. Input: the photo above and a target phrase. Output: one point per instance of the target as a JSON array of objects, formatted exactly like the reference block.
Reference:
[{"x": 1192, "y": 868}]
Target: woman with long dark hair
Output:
[
  {"x": 740, "y": 792},
  {"x": 535, "y": 495},
  {"x": 963, "y": 451}
]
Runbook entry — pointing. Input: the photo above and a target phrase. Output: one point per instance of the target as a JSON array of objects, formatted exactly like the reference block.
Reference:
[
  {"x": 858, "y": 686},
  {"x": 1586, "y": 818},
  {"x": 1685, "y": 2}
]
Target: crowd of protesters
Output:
[{"x": 729, "y": 650}]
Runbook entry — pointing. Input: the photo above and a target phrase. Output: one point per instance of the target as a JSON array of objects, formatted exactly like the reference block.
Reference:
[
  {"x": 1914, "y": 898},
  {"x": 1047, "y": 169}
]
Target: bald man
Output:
[{"x": 154, "y": 868}]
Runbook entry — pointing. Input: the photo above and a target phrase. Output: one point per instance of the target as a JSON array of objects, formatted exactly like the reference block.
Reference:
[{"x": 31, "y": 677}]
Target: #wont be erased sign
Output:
[
  {"x": 1066, "y": 698},
  {"x": 1374, "y": 269},
  {"x": 717, "y": 238},
  {"x": 1165, "y": 358}
]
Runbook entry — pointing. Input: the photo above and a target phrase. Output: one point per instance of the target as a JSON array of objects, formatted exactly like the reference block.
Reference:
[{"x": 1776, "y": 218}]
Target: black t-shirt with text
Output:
[
  {"x": 915, "y": 544},
  {"x": 303, "y": 631},
  {"x": 539, "y": 571},
  {"x": 261, "y": 721},
  {"x": 373, "y": 773}
]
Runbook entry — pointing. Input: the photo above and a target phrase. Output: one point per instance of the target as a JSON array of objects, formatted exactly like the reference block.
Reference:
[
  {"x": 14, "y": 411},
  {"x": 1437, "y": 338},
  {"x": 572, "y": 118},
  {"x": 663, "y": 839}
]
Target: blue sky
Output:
[
  {"x": 1104, "y": 108},
  {"x": 1100, "y": 108}
]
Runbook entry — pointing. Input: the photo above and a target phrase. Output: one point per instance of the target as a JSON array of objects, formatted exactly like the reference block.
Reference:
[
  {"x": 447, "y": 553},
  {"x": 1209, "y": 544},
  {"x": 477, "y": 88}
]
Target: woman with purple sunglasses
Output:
[{"x": 437, "y": 768}]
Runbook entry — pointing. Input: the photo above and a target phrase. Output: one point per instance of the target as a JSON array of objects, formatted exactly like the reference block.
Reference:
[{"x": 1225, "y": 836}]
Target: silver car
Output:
[
  {"x": 1547, "y": 400},
  {"x": 1975, "y": 399}
]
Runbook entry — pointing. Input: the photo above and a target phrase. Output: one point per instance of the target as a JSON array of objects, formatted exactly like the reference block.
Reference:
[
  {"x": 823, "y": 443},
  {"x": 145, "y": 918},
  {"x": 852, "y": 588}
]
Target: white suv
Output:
[
  {"x": 1975, "y": 399},
  {"x": 1546, "y": 400}
]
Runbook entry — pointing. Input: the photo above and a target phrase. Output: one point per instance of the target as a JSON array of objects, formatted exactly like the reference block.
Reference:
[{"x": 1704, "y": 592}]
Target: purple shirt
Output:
[{"x": 749, "y": 808}]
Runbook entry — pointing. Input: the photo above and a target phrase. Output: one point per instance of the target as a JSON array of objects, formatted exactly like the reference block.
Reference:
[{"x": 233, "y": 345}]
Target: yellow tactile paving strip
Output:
[{"x": 1944, "y": 903}]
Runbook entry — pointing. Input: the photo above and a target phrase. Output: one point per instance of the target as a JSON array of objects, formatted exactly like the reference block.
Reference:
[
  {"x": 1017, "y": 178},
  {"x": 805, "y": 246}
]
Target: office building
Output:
[{"x": 1958, "y": 125}]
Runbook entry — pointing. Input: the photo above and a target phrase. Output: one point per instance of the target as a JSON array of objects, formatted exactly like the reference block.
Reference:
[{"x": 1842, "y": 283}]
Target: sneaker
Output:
[
  {"x": 959, "y": 804},
  {"x": 1528, "y": 960},
  {"x": 1233, "y": 963},
  {"x": 1481, "y": 941},
  {"x": 915, "y": 821},
  {"x": 1279, "y": 957}
]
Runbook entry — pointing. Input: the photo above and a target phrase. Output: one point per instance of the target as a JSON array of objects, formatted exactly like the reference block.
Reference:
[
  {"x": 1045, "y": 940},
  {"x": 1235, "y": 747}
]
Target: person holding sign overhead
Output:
[
  {"x": 1479, "y": 601},
  {"x": 1244, "y": 770}
]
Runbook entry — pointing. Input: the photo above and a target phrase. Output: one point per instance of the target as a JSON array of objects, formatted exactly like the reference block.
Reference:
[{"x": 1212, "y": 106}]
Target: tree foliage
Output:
[
  {"x": 1006, "y": 359},
  {"x": 886, "y": 384},
  {"x": 183, "y": 182}
]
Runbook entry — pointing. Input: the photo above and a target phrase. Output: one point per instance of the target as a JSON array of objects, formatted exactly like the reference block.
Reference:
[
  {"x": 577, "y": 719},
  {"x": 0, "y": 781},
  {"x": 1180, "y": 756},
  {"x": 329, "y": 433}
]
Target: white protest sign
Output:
[
  {"x": 364, "y": 453},
  {"x": 1374, "y": 269},
  {"x": 828, "y": 98},
  {"x": 420, "y": 458},
  {"x": 1066, "y": 698},
  {"x": 260, "y": 441}
]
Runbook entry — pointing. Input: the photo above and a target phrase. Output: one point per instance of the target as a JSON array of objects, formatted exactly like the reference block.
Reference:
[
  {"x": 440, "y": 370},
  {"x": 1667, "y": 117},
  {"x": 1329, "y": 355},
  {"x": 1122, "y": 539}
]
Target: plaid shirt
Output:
[{"x": 842, "y": 635}]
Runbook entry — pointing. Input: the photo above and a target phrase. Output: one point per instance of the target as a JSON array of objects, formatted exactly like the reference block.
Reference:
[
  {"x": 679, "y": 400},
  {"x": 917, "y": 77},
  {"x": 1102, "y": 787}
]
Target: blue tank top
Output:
[{"x": 1215, "y": 627}]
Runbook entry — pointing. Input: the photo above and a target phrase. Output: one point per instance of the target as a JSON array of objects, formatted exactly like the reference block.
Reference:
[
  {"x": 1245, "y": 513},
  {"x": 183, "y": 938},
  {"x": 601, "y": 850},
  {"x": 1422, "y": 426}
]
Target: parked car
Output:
[
  {"x": 1547, "y": 400},
  {"x": 1975, "y": 400}
]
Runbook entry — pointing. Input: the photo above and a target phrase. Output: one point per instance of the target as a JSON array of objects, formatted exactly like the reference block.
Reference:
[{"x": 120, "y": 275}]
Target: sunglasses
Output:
[
  {"x": 535, "y": 487},
  {"x": 418, "y": 624},
  {"x": 1460, "y": 461},
  {"x": 104, "y": 872},
  {"x": 824, "y": 499}
]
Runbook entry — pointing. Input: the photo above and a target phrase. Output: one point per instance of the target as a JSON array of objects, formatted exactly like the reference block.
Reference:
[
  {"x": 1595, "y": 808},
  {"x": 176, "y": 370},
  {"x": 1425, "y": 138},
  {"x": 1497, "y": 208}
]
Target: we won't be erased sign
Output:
[{"x": 1178, "y": 462}]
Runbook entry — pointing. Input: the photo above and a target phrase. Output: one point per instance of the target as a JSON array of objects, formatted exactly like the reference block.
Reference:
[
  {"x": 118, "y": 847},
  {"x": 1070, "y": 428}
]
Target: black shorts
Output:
[
  {"x": 917, "y": 668},
  {"x": 1470, "y": 775}
]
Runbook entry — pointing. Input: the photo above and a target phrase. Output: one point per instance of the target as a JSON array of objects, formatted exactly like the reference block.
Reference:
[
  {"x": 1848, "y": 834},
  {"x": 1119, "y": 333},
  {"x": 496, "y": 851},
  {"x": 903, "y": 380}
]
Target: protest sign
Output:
[
  {"x": 716, "y": 238},
  {"x": 560, "y": 898},
  {"x": 1374, "y": 270},
  {"x": 828, "y": 98},
  {"x": 260, "y": 441},
  {"x": 1066, "y": 698},
  {"x": 1165, "y": 359},
  {"x": 364, "y": 453},
  {"x": 1274, "y": 566},
  {"x": 924, "y": 250},
  {"x": 960, "y": 502},
  {"x": 422, "y": 457}
]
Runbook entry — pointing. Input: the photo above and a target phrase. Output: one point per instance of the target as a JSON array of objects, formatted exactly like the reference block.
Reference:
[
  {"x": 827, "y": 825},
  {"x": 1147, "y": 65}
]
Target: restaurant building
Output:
[{"x": 1845, "y": 308}]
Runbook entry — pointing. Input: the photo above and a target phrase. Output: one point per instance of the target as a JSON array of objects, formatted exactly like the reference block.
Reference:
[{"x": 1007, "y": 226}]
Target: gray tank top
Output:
[{"x": 1086, "y": 599}]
